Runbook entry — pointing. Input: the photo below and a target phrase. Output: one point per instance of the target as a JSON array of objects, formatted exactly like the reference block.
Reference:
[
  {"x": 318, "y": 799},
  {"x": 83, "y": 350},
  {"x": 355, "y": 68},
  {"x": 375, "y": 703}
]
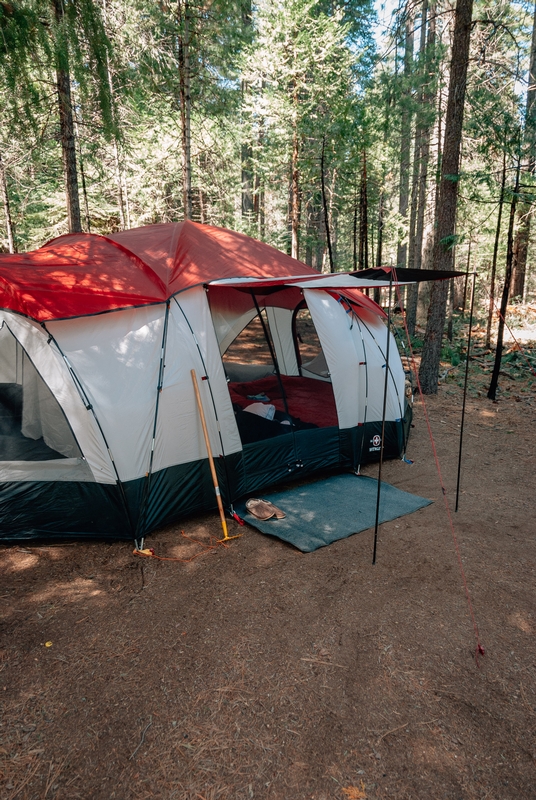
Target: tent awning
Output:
[{"x": 364, "y": 279}]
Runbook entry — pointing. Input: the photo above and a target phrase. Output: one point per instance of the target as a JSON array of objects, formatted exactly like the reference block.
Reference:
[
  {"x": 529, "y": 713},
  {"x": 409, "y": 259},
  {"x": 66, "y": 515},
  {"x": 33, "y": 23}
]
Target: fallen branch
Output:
[
  {"x": 326, "y": 663},
  {"x": 142, "y": 738},
  {"x": 394, "y": 730}
]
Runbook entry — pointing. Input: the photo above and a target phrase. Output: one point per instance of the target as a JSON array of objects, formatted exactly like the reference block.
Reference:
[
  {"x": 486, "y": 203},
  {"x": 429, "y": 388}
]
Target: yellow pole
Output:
[{"x": 210, "y": 458}]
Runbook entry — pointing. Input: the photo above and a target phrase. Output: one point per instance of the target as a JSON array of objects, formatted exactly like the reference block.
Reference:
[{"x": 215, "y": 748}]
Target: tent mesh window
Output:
[
  {"x": 248, "y": 357},
  {"x": 33, "y": 426},
  {"x": 311, "y": 357}
]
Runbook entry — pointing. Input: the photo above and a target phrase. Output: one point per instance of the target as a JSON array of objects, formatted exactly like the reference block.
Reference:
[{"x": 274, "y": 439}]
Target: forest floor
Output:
[{"x": 255, "y": 671}]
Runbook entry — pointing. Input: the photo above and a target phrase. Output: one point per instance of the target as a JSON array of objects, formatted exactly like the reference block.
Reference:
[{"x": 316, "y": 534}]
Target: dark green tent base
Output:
[
  {"x": 325, "y": 511},
  {"x": 58, "y": 510}
]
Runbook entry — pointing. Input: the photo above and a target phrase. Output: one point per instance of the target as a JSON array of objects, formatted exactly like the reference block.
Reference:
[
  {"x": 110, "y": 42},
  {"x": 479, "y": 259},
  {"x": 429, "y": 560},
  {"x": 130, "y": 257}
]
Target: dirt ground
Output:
[{"x": 256, "y": 671}]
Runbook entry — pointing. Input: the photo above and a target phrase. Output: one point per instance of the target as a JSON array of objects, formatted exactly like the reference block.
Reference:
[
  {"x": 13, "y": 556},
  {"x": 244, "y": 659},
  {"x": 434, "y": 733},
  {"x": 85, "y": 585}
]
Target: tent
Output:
[{"x": 100, "y": 434}]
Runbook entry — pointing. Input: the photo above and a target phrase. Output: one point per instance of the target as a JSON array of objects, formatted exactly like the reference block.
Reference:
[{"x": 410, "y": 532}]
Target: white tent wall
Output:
[
  {"x": 373, "y": 331},
  {"x": 354, "y": 346},
  {"x": 116, "y": 357},
  {"x": 51, "y": 366},
  {"x": 10, "y": 356},
  {"x": 191, "y": 344}
]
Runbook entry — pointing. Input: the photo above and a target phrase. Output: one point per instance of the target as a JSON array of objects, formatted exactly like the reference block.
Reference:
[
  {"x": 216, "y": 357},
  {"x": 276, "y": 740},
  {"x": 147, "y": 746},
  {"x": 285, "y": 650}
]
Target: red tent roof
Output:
[{"x": 82, "y": 274}]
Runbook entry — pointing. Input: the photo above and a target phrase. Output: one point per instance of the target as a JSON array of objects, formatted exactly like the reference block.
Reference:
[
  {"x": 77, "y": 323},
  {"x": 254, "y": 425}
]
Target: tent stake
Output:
[
  {"x": 226, "y": 536},
  {"x": 465, "y": 388},
  {"x": 385, "y": 387}
]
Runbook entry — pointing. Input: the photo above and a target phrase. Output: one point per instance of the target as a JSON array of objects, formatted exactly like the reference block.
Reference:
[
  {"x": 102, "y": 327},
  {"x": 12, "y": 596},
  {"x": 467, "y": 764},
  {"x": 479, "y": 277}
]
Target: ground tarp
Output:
[{"x": 325, "y": 511}]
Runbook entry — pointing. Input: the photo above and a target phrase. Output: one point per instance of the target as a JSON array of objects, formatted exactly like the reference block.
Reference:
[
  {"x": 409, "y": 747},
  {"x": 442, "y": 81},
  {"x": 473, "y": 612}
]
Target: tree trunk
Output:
[
  {"x": 248, "y": 204},
  {"x": 67, "y": 137},
  {"x": 506, "y": 290},
  {"x": 325, "y": 205},
  {"x": 184, "y": 17},
  {"x": 379, "y": 251},
  {"x": 448, "y": 195},
  {"x": 521, "y": 244},
  {"x": 363, "y": 218},
  {"x": 495, "y": 251},
  {"x": 84, "y": 187},
  {"x": 355, "y": 227},
  {"x": 7, "y": 209},
  {"x": 295, "y": 185},
  {"x": 117, "y": 160},
  {"x": 405, "y": 136},
  {"x": 249, "y": 207},
  {"x": 68, "y": 150},
  {"x": 423, "y": 135}
]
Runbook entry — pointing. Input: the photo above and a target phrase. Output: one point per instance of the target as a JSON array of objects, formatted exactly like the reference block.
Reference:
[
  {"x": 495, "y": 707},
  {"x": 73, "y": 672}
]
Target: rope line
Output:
[
  {"x": 207, "y": 548},
  {"x": 479, "y": 649}
]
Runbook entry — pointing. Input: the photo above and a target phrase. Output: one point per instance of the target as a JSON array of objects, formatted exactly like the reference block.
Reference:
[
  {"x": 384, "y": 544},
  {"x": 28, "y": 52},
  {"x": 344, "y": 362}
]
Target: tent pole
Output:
[
  {"x": 465, "y": 388},
  {"x": 214, "y": 407},
  {"x": 226, "y": 536},
  {"x": 385, "y": 386}
]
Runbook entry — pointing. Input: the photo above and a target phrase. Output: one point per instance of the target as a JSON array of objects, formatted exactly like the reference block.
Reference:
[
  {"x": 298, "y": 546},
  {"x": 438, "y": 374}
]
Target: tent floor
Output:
[{"x": 14, "y": 446}]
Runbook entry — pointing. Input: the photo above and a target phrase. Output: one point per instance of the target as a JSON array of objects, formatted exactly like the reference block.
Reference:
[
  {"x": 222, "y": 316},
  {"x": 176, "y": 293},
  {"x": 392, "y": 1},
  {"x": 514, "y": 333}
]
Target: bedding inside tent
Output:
[{"x": 275, "y": 367}]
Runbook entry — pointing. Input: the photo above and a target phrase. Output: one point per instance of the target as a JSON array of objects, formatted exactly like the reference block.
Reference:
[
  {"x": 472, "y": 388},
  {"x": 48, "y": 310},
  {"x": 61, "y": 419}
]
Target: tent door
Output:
[{"x": 33, "y": 426}]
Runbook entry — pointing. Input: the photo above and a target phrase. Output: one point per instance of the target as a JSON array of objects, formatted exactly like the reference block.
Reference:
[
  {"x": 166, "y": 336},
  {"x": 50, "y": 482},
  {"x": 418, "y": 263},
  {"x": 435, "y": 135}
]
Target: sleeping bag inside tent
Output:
[{"x": 100, "y": 433}]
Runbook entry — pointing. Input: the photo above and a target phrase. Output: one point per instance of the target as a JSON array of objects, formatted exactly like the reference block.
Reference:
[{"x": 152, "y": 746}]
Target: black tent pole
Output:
[
  {"x": 385, "y": 386},
  {"x": 272, "y": 352},
  {"x": 465, "y": 387}
]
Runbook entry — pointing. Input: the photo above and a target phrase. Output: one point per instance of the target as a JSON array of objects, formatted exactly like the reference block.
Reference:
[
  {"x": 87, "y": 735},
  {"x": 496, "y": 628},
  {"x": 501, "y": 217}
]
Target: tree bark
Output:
[
  {"x": 295, "y": 183},
  {"x": 495, "y": 251},
  {"x": 7, "y": 209},
  {"x": 325, "y": 206},
  {"x": 184, "y": 18},
  {"x": 248, "y": 205},
  {"x": 448, "y": 195},
  {"x": 423, "y": 134},
  {"x": 405, "y": 135},
  {"x": 363, "y": 218},
  {"x": 521, "y": 244},
  {"x": 67, "y": 136},
  {"x": 355, "y": 228},
  {"x": 492, "y": 391},
  {"x": 68, "y": 150},
  {"x": 379, "y": 251}
]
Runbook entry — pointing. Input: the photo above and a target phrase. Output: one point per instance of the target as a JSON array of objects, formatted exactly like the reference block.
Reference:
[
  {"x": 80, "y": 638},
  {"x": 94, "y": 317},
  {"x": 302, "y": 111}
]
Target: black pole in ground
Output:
[
  {"x": 385, "y": 386},
  {"x": 465, "y": 388}
]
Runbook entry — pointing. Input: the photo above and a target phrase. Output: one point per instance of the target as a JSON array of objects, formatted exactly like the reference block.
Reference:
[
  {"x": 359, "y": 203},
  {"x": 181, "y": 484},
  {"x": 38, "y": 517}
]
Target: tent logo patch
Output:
[{"x": 375, "y": 442}]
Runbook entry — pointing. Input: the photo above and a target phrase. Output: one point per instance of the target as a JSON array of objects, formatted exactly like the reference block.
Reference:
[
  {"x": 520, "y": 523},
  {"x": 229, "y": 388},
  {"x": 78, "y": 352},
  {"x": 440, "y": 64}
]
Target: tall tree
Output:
[
  {"x": 423, "y": 132},
  {"x": 7, "y": 208},
  {"x": 521, "y": 243},
  {"x": 184, "y": 25},
  {"x": 57, "y": 41},
  {"x": 405, "y": 133},
  {"x": 448, "y": 194}
]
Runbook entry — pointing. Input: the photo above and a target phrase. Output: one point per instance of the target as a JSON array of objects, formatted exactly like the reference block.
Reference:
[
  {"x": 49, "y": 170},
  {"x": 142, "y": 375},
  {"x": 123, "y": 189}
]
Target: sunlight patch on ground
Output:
[
  {"x": 518, "y": 620},
  {"x": 17, "y": 561},
  {"x": 77, "y": 589},
  {"x": 520, "y": 335}
]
